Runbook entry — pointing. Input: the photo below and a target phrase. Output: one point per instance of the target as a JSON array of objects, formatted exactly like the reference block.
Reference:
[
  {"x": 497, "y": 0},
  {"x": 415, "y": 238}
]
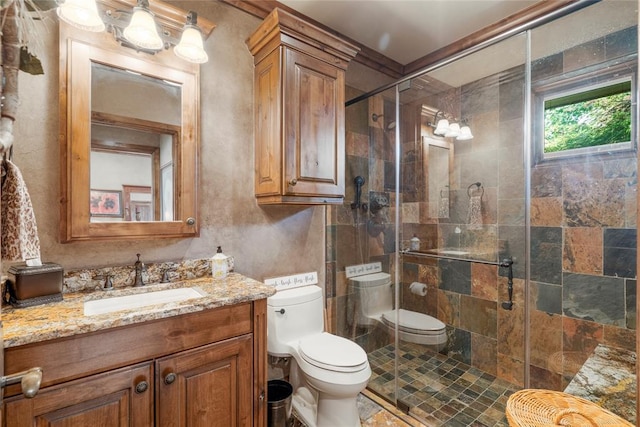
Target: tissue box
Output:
[{"x": 28, "y": 286}]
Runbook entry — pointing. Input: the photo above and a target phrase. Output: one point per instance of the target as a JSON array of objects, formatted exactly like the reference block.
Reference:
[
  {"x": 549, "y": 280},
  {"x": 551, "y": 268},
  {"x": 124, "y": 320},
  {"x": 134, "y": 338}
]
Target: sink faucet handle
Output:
[
  {"x": 108, "y": 284},
  {"x": 165, "y": 277}
]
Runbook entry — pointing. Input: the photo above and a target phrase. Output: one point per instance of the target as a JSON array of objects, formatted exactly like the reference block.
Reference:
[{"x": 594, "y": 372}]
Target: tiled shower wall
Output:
[
  {"x": 583, "y": 241},
  {"x": 583, "y": 232},
  {"x": 356, "y": 236},
  {"x": 467, "y": 296}
]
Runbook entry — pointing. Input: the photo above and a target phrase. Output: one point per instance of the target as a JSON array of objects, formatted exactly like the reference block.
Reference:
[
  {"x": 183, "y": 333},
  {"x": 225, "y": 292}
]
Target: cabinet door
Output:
[
  {"x": 313, "y": 127},
  {"x": 123, "y": 397},
  {"x": 209, "y": 386}
]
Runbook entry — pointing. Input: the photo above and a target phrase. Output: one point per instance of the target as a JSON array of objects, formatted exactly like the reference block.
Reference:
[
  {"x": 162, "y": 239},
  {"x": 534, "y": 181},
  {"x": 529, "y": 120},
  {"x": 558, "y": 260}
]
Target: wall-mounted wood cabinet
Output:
[{"x": 299, "y": 111}]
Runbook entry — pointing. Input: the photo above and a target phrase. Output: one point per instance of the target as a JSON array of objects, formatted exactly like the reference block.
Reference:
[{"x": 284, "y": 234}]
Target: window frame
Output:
[{"x": 585, "y": 80}]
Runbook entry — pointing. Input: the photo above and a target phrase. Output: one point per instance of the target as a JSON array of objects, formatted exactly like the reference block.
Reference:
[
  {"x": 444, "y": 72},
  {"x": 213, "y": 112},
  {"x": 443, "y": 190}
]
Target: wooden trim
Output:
[
  {"x": 260, "y": 363},
  {"x": 535, "y": 11},
  {"x": 379, "y": 62},
  {"x": 366, "y": 56}
]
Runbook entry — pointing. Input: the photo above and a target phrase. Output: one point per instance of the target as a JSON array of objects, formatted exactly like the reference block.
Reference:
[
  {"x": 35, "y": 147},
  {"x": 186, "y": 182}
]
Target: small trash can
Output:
[{"x": 279, "y": 403}]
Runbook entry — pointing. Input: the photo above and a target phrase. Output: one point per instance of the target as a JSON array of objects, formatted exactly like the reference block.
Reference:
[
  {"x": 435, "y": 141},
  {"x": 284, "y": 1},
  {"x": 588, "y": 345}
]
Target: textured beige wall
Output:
[{"x": 265, "y": 241}]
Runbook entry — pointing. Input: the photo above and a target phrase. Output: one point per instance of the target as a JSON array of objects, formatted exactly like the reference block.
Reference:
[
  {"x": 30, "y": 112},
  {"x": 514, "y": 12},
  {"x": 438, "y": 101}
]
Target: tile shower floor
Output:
[{"x": 438, "y": 390}]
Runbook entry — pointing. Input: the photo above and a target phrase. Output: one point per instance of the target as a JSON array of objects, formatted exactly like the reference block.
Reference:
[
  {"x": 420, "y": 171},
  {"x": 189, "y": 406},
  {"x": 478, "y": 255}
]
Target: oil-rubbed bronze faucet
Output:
[{"x": 139, "y": 267}]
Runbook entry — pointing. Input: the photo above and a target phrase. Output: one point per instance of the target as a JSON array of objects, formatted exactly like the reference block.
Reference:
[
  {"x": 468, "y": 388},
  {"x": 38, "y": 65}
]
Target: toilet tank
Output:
[
  {"x": 291, "y": 315},
  {"x": 373, "y": 295}
]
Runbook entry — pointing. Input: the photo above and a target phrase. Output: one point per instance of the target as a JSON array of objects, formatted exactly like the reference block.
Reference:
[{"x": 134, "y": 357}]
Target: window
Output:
[{"x": 586, "y": 115}]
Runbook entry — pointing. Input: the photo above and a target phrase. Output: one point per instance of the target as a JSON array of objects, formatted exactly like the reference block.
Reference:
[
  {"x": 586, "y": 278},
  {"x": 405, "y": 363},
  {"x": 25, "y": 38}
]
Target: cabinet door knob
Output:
[
  {"x": 142, "y": 386},
  {"x": 293, "y": 182},
  {"x": 169, "y": 378},
  {"x": 191, "y": 221}
]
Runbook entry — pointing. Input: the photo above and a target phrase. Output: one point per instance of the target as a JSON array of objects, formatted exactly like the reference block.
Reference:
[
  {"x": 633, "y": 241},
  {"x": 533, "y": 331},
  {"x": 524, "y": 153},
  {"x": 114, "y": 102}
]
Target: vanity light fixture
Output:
[
  {"x": 82, "y": 14},
  {"x": 137, "y": 29},
  {"x": 191, "y": 47},
  {"x": 465, "y": 132},
  {"x": 450, "y": 129},
  {"x": 142, "y": 31}
]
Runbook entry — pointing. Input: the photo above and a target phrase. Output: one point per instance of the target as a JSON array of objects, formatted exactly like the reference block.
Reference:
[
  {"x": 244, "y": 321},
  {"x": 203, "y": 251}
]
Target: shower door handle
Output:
[{"x": 508, "y": 262}]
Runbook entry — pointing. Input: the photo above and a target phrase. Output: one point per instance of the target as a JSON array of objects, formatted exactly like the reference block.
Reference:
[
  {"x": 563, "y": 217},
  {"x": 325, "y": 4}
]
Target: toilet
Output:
[
  {"x": 327, "y": 372},
  {"x": 374, "y": 305}
]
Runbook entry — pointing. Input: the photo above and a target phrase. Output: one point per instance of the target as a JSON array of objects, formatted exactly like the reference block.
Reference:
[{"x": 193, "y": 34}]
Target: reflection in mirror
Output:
[
  {"x": 135, "y": 127},
  {"x": 438, "y": 172}
]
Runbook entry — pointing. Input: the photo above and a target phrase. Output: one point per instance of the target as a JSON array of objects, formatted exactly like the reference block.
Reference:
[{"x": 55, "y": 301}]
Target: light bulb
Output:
[
  {"x": 81, "y": 14},
  {"x": 441, "y": 128},
  {"x": 142, "y": 31},
  {"x": 191, "y": 47},
  {"x": 453, "y": 131}
]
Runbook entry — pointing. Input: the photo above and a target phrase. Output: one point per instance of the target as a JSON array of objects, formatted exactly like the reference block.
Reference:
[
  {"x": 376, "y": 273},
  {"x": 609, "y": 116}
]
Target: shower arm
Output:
[{"x": 508, "y": 263}]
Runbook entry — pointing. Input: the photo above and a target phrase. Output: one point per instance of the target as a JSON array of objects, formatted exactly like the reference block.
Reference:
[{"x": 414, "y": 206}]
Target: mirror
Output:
[
  {"x": 437, "y": 159},
  {"x": 129, "y": 124}
]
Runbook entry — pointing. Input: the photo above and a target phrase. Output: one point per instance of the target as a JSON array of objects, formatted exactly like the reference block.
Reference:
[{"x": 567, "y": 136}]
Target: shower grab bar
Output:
[{"x": 505, "y": 263}]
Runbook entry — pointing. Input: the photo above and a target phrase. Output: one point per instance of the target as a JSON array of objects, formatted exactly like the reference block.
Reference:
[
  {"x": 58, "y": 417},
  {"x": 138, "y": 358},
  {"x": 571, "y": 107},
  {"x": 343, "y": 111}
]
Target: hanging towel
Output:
[
  {"x": 475, "y": 212},
  {"x": 443, "y": 210},
  {"x": 20, "y": 240}
]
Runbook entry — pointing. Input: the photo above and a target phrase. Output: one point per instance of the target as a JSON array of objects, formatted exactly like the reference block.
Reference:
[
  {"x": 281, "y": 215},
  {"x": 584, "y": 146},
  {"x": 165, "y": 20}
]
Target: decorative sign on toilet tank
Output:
[
  {"x": 293, "y": 281},
  {"x": 360, "y": 269}
]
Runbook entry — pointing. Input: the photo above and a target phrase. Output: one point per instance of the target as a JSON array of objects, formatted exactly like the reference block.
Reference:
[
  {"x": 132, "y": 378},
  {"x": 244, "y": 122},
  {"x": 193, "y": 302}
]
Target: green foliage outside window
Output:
[{"x": 588, "y": 119}]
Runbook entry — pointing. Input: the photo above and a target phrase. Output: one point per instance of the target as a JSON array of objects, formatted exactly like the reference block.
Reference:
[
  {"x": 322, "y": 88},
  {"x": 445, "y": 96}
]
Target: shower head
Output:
[{"x": 390, "y": 126}]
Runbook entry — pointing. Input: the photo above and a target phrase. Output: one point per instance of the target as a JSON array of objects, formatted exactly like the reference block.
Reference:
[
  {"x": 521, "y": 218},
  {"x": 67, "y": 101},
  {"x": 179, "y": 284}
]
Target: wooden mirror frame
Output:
[{"x": 78, "y": 49}]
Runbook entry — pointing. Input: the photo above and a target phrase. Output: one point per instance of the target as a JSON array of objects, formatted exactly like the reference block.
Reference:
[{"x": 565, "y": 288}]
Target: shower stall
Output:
[{"x": 525, "y": 250}]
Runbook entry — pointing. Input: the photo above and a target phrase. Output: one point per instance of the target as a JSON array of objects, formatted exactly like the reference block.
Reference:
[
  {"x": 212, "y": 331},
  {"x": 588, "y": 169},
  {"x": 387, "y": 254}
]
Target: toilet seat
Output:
[
  {"x": 333, "y": 353},
  {"x": 412, "y": 322}
]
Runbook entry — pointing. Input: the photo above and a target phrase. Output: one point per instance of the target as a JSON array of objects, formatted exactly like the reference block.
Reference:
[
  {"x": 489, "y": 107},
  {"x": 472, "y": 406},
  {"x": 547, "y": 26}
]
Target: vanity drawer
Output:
[{"x": 86, "y": 354}]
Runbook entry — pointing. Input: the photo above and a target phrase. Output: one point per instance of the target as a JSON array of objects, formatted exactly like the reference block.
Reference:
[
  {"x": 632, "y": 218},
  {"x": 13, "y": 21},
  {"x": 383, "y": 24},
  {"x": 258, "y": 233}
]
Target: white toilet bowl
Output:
[
  {"x": 374, "y": 305},
  {"x": 327, "y": 372}
]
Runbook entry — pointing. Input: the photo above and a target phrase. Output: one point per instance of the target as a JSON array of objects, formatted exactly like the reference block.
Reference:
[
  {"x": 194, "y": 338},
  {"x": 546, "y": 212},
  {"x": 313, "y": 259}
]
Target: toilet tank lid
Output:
[
  {"x": 295, "y": 296},
  {"x": 374, "y": 279}
]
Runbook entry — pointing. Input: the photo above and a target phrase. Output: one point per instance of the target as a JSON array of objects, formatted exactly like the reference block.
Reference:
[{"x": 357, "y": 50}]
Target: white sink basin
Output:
[{"x": 128, "y": 302}]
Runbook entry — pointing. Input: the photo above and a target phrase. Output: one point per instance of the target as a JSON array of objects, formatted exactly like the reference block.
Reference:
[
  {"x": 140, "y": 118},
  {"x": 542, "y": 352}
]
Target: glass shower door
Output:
[
  {"x": 583, "y": 222},
  {"x": 463, "y": 198}
]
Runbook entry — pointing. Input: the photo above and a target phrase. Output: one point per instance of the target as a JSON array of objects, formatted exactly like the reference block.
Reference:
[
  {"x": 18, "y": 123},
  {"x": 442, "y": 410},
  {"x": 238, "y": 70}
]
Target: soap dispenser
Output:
[
  {"x": 219, "y": 267},
  {"x": 415, "y": 243}
]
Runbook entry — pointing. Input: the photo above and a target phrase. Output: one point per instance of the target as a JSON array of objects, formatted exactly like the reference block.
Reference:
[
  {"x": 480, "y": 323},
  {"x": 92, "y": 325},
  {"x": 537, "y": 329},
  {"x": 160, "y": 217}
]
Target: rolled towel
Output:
[{"x": 19, "y": 236}]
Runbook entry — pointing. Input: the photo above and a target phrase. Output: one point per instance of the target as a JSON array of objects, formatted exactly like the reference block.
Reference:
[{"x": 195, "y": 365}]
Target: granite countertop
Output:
[
  {"x": 608, "y": 378},
  {"x": 66, "y": 318}
]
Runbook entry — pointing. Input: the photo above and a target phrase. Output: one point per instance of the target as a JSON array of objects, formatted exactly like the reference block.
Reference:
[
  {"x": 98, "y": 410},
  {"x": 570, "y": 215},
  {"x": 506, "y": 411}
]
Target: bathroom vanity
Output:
[{"x": 200, "y": 361}]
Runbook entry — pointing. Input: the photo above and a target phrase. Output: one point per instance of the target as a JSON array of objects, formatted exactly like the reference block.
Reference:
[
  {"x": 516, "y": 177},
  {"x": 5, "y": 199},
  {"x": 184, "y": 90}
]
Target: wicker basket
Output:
[{"x": 538, "y": 408}]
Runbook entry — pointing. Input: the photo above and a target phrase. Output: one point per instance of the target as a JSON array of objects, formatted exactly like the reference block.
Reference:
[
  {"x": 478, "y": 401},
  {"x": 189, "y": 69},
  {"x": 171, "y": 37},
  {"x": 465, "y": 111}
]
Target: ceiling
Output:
[{"x": 406, "y": 30}]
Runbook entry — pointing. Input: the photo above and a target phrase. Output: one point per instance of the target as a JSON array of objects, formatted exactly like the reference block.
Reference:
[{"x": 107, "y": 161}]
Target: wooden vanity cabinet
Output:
[
  {"x": 299, "y": 111},
  {"x": 199, "y": 369}
]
